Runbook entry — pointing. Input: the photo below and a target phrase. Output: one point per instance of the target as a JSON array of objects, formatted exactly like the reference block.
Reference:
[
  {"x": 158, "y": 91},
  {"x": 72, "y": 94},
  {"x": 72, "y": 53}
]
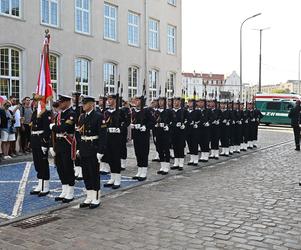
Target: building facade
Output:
[{"x": 94, "y": 43}]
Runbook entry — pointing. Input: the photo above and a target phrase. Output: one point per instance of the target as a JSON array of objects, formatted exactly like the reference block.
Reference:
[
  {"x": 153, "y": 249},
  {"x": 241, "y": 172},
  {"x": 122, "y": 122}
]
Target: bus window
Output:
[
  {"x": 287, "y": 106},
  {"x": 273, "y": 105}
]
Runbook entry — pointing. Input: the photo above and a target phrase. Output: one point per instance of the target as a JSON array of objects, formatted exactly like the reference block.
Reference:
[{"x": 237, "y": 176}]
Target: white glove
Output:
[
  {"x": 44, "y": 150},
  {"x": 143, "y": 129},
  {"x": 182, "y": 127},
  {"x": 132, "y": 126},
  {"x": 77, "y": 153},
  {"x": 99, "y": 156},
  {"x": 225, "y": 121},
  {"x": 195, "y": 126},
  {"x": 51, "y": 151},
  {"x": 117, "y": 130},
  {"x": 246, "y": 121},
  {"x": 206, "y": 124},
  {"x": 166, "y": 128},
  {"x": 228, "y": 123},
  {"x": 51, "y": 125}
]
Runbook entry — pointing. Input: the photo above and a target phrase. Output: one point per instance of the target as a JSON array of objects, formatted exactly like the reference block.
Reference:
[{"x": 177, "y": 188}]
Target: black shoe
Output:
[
  {"x": 254, "y": 146},
  {"x": 174, "y": 167},
  {"x": 300, "y": 183},
  {"x": 115, "y": 186},
  {"x": 216, "y": 158},
  {"x": 244, "y": 150},
  {"x": 203, "y": 160},
  {"x": 195, "y": 164},
  {"x": 180, "y": 169},
  {"x": 67, "y": 200},
  {"x": 164, "y": 173},
  {"x": 250, "y": 147},
  {"x": 84, "y": 205},
  {"x": 108, "y": 185},
  {"x": 79, "y": 178},
  {"x": 92, "y": 206},
  {"x": 104, "y": 173},
  {"x": 41, "y": 194},
  {"x": 33, "y": 192},
  {"x": 159, "y": 172},
  {"x": 142, "y": 178},
  {"x": 190, "y": 163},
  {"x": 135, "y": 177},
  {"x": 226, "y": 155},
  {"x": 156, "y": 160},
  {"x": 58, "y": 198},
  {"x": 297, "y": 149},
  {"x": 122, "y": 169}
]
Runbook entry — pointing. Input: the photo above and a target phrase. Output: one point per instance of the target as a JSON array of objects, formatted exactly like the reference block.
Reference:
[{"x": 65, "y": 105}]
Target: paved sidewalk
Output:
[{"x": 252, "y": 202}]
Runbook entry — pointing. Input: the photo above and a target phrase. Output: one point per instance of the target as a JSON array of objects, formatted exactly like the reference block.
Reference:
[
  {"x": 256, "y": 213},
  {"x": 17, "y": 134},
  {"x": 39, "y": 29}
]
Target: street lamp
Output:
[
  {"x": 260, "y": 57},
  {"x": 241, "y": 26},
  {"x": 299, "y": 73}
]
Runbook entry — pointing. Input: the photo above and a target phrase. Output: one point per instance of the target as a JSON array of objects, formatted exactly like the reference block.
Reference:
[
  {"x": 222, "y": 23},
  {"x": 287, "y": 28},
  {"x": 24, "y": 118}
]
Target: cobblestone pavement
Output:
[{"x": 250, "y": 202}]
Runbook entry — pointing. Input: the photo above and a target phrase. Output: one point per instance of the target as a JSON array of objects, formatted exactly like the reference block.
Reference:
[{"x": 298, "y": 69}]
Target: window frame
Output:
[
  {"x": 137, "y": 26},
  {"x": 170, "y": 88},
  {"x": 174, "y": 37},
  {"x": 10, "y": 10},
  {"x": 82, "y": 10},
  {"x": 81, "y": 83},
  {"x": 111, "y": 6},
  {"x": 56, "y": 82},
  {"x": 133, "y": 90},
  {"x": 108, "y": 87},
  {"x": 172, "y": 2},
  {"x": 153, "y": 90},
  {"x": 152, "y": 31},
  {"x": 50, "y": 12}
]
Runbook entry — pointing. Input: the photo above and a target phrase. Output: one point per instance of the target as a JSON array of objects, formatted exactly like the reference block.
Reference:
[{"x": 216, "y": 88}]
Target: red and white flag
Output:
[{"x": 44, "y": 88}]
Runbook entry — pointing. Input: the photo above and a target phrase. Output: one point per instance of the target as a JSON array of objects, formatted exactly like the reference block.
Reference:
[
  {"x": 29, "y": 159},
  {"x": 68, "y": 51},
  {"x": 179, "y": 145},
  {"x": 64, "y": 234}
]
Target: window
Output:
[
  {"x": 49, "y": 12},
  {"x": 153, "y": 27},
  {"x": 82, "y": 16},
  {"x": 10, "y": 7},
  {"x": 172, "y": 2},
  {"x": 110, "y": 22},
  {"x": 133, "y": 81},
  {"x": 273, "y": 105},
  {"x": 133, "y": 29},
  {"x": 82, "y": 68},
  {"x": 10, "y": 73},
  {"x": 171, "y": 39},
  {"x": 171, "y": 77},
  {"x": 53, "y": 63},
  {"x": 109, "y": 77},
  {"x": 153, "y": 83}
]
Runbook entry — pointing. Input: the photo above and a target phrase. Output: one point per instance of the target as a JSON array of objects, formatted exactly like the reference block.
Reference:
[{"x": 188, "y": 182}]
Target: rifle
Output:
[
  {"x": 142, "y": 101},
  {"x": 194, "y": 98},
  {"x": 182, "y": 105},
  {"x": 104, "y": 99},
  {"x": 117, "y": 102}
]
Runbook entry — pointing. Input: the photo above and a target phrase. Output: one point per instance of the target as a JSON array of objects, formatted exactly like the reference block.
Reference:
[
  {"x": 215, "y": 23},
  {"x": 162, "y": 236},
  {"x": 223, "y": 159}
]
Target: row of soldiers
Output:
[{"x": 94, "y": 139}]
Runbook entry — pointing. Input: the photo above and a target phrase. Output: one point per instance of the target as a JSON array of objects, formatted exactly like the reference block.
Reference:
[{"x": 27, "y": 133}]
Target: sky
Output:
[{"x": 210, "y": 38}]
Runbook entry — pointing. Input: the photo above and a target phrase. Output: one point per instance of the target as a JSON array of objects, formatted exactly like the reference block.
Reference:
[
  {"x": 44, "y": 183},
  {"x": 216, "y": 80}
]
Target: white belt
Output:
[
  {"x": 179, "y": 124},
  {"x": 38, "y": 132},
  {"x": 161, "y": 125},
  {"x": 89, "y": 138},
  {"x": 137, "y": 126},
  {"x": 114, "y": 130}
]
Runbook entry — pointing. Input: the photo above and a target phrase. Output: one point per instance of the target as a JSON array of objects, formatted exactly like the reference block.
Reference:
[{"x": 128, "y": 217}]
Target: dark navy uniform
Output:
[
  {"x": 225, "y": 132},
  {"x": 193, "y": 135},
  {"x": 215, "y": 132},
  {"x": 204, "y": 138},
  {"x": 124, "y": 136},
  {"x": 39, "y": 140},
  {"x": 295, "y": 117}
]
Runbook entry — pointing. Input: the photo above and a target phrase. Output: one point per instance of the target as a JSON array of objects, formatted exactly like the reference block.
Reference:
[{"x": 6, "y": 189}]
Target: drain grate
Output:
[{"x": 36, "y": 221}]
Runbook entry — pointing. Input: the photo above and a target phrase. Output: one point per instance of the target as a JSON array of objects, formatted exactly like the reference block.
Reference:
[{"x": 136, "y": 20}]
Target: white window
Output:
[
  {"x": 133, "y": 74},
  {"x": 82, "y": 16},
  {"x": 171, "y": 39},
  {"x": 153, "y": 83},
  {"x": 53, "y": 63},
  {"x": 10, "y": 72},
  {"x": 82, "y": 70},
  {"x": 109, "y": 77},
  {"x": 172, "y": 2},
  {"x": 110, "y": 22},
  {"x": 10, "y": 7},
  {"x": 49, "y": 12},
  {"x": 133, "y": 29},
  {"x": 171, "y": 77},
  {"x": 153, "y": 40}
]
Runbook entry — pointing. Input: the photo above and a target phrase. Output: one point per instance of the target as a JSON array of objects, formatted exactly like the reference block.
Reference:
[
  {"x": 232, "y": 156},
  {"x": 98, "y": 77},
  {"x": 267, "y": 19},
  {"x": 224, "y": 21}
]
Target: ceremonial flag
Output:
[{"x": 44, "y": 88}]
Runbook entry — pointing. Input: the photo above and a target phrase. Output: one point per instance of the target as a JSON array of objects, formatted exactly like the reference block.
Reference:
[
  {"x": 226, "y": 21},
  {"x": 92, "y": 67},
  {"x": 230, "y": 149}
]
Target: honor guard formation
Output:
[{"x": 88, "y": 138}]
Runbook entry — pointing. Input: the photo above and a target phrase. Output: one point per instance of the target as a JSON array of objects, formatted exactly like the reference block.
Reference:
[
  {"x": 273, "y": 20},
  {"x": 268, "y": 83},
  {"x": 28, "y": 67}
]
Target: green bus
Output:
[{"x": 275, "y": 107}]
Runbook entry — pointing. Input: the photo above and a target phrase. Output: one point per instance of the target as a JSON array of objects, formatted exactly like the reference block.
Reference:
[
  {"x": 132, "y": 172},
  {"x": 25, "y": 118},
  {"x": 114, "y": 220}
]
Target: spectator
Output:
[
  {"x": 15, "y": 108},
  {"x": 26, "y": 113},
  {"x": 7, "y": 129}
]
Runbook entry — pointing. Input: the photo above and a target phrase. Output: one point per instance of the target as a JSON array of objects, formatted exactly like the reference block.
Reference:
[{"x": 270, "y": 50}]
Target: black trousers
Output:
[
  {"x": 246, "y": 132},
  {"x": 114, "y": 152},
  {"x": 256, "y": 131},
  {"x": 192, "y": 138},
  {"x": 252, "y": 136},
  {"x": 123, "y": 152},
  {"x": 90, "y": 167},
  {"x": 178, "y": 142},
  {"x": 296, "y": 129},
  {"x": 204, "y": 139},
  {"x": 65, "y": 168},
  {"x": 238, "y": 135},
  {"x": 141, "y": 147},
  {"x": 225, "y": 135},
  {"x": 24, "y": 137},
  {"x": 232, "y": 135},
  {"x": 77, "y": 161},
  {"x": 214, "y": 136},
  {"x": 41, "y": 163},
  {"x": 163, "y": 143}
]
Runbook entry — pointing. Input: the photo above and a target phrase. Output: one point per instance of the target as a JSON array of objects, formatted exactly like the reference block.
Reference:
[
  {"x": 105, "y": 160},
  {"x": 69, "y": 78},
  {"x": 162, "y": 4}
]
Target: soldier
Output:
[
  {"x": 204, "y": 127},
  {"x": 214, "y": 129},
  {"x": 232, "y": 128},
  {"x": 153, "y": 109},
  {"x": 65, "y": 149},
  {"x": 179, "y": 115},
  {"x": 104, "y": 164},
  {"x": 193, "y": 132},
  {"x": 294, "y": 115},
  {"x": 124, "y": 132},
  {"x": 39, "y": 140},
  {"x": 258, "y": 116},
  {"x": 237, "y": 114},
  {"x": 164, "y": 118},
  {"x": 91, "y": 147},
  {"x": 225, "y": 129},
  {"x": 115, "y": 118},
  {"x": 252, "y": 125},
  {"x": 245, "y": 129},
  {"x": 142, "y": 122}
]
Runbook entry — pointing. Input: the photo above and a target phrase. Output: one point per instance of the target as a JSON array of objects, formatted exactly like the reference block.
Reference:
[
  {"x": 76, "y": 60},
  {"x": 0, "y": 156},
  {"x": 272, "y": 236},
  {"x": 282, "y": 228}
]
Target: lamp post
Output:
[
  {"x": 260, "y": 56},
  {"x": 299, "y": 72},
  {"x": 241, "y": 26}
]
